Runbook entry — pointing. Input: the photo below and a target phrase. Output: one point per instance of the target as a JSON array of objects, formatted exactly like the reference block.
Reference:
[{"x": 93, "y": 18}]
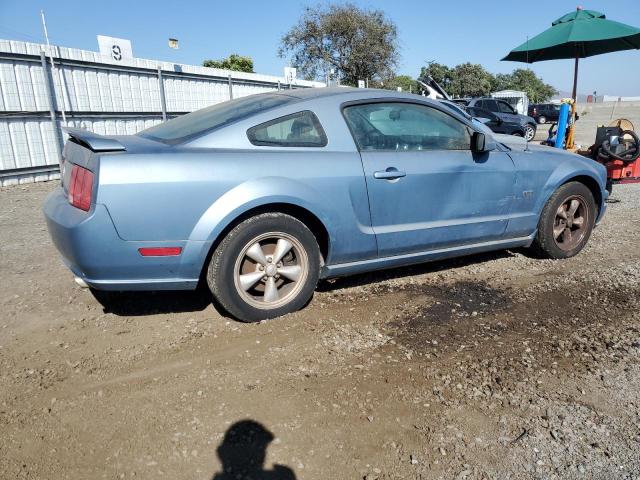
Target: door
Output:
[
  {"x": 507, "y": 112},
  {"x": 495, "y": 123},
  {"x": 426, "y": 189}
]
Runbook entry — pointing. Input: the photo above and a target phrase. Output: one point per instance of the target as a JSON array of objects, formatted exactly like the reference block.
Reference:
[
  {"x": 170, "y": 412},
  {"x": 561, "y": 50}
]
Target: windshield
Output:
[
  {"x": 456, "y": 108},
  {"x": 201, "y": 121}
]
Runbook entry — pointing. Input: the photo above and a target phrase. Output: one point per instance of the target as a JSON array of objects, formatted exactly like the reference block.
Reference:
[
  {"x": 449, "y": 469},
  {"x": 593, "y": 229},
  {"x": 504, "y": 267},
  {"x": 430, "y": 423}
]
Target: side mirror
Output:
[{"x": 480, "y": 143}]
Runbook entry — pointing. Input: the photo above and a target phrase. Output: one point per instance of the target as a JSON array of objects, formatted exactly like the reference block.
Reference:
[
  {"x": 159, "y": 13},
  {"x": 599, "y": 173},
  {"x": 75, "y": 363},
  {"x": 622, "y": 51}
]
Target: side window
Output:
[
  {"x": 300, "y": 129},
  {"x": 405, "y": 127},
  {"x": 490, "y": 105},
  {"x": 506, "y": 108}
]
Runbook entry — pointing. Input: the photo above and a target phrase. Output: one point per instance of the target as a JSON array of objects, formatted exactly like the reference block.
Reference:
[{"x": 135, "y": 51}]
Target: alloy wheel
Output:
[
  {"x": 271, "y": 270},
  {"x": 570, "y": 223},
  {"x": 529, "y": 133}
]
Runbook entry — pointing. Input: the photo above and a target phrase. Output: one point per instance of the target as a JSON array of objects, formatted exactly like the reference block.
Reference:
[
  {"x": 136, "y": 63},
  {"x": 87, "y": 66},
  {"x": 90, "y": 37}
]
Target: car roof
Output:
[{"x": 352, "y": 94}]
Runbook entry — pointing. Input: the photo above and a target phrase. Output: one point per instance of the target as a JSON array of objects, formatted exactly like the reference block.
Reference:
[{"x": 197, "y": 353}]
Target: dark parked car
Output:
[
  {"x": 495, "y": 123},
  {"x": 506, "y": 112},
  {"x": 545, "y": 112}
]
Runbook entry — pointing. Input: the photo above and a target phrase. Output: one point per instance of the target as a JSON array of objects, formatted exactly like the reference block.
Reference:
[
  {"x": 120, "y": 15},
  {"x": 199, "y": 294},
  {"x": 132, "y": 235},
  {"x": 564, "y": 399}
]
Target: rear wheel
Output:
[
  {"x": 265, "y": 267},
  {"x": 566, "y": 222},
  {"x": 542, "y": 119}
]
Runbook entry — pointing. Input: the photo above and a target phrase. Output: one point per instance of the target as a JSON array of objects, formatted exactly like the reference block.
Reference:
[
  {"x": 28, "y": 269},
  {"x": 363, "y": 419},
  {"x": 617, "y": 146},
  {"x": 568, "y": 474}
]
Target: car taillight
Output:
[{"x": 80, "y": 188}]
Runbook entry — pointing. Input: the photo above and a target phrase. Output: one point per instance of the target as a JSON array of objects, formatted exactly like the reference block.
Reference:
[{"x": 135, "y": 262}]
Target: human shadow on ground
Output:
[{"x": 243, "y": 451}]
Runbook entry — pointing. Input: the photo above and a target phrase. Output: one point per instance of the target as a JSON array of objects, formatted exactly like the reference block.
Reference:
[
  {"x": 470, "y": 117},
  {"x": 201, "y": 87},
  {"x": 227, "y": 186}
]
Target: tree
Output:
[
  {"x": 405, "y": 82},
  {"x": 440, "y": 73},
  {"x": 526, "y": 80},
  {"x": 470, "y": 80},
  {"x": 234, "y": 62},
  {"x": 358, "y": 44},
  {"x": 501, "y": 81}
]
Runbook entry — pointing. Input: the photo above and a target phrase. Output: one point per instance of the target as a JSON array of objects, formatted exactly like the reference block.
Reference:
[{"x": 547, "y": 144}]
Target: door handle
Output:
[{"x": 390, "y": 173}]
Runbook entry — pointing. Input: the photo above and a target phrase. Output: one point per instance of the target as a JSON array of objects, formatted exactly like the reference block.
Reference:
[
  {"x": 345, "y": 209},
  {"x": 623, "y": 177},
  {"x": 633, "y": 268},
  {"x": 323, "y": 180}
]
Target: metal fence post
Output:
[
  {"x": 163, "y": 99},
  {"x": 230, "y": 88},
  {"x": 51, "y": 100}
]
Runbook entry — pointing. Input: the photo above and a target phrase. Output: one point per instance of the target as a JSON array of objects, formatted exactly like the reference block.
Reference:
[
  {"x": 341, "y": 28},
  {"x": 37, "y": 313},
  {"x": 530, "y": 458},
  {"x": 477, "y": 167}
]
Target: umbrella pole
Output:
[
  {"x": 575, "y": 77},
  {"x": 574, "y": 96}
]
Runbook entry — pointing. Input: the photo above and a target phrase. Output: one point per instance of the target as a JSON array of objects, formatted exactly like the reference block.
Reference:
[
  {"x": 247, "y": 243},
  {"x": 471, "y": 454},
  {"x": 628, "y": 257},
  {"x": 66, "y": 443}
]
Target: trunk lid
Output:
[{"x": 84, "y": 148}]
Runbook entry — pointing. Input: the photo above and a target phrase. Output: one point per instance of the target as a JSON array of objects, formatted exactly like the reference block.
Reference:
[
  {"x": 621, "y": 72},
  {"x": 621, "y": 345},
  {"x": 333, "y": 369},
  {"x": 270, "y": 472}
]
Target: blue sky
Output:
[{"x": 474, "y": 31}]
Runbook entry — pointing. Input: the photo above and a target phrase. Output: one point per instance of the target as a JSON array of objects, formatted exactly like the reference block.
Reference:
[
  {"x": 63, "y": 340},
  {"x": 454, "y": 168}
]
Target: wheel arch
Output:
[
  {"x": 306, "y": 216},
  {"x": 592, "y": 184},
  {"x": 585, "y": 177}
]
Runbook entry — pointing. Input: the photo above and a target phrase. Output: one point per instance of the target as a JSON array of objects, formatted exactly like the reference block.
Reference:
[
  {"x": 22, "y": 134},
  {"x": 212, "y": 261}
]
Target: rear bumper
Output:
[{"x": 93, "y": 251}]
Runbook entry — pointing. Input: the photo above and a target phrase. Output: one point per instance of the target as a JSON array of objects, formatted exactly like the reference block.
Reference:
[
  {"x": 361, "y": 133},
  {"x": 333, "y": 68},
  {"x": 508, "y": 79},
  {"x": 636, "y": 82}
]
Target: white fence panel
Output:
[{"x": 100, "y": 94}]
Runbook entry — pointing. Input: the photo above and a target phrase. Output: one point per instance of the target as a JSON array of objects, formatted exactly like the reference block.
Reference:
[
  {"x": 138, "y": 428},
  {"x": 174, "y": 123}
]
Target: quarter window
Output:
[
  {"x": 301, "y": 129},
  {"x": 405, "y": 127}
]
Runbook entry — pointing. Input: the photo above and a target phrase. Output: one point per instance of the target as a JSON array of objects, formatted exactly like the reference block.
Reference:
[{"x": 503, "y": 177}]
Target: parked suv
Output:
[
  {"x": 545, "y": 112},
  {"x": 495, "y": 123},
  {"x": 506, "y": 113}
]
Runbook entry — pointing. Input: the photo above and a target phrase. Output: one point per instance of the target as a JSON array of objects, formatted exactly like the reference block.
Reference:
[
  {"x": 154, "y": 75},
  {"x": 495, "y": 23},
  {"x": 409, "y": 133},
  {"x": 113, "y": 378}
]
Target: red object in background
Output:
[{"x": 621, "y": 172}]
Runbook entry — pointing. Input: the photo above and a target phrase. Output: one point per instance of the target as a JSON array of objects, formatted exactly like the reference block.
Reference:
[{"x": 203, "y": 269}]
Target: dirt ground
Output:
[{"x": 491, "y": 366}]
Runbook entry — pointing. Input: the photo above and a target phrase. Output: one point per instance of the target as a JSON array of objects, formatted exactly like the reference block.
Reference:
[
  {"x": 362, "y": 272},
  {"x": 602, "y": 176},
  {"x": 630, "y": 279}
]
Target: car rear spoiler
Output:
[{"x": 93, "y": 141}]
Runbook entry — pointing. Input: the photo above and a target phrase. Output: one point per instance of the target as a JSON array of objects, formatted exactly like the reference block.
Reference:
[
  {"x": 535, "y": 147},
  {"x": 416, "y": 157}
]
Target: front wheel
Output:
[
  {"x": 529, "y": 132},
  {"x": 566, "y": 222},
  {"x": 542, "y": 119},
  {"x": 265, "y": 267}
]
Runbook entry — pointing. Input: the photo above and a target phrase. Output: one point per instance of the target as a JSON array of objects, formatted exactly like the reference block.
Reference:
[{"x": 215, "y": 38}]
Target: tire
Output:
[
  {"x": 542, "y": 119},
  {"x": 552, "y": 240},
  {"x": 529, "y": 132},
  {"x": 241, "y": 276}
]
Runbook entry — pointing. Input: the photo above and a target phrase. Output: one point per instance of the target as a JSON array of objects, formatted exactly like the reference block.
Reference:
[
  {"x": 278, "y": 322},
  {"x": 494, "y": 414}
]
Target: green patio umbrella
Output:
[{"x": 578, "y": 34}]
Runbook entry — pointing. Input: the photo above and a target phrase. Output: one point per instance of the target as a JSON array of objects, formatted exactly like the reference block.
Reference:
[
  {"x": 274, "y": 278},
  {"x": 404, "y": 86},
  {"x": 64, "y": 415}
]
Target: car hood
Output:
[
  {"x": 521, "y": 148},
  {"x": 512, "y": 141},
  {"x": 519, "y": 144}
]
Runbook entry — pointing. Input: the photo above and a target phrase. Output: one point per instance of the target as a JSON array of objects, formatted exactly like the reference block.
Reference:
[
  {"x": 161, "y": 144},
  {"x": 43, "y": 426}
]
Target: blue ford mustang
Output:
[{"x": 262, "y": 196}]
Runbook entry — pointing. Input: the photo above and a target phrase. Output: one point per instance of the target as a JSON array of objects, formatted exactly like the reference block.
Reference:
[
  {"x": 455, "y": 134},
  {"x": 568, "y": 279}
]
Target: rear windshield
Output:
[{"x": 210, "y": 118}]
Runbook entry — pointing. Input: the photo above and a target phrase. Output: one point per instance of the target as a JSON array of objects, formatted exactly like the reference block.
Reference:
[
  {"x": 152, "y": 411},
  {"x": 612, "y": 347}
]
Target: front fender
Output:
[
  {"x": 567, "y": 171},
  {"x": 539, "y": 173}
]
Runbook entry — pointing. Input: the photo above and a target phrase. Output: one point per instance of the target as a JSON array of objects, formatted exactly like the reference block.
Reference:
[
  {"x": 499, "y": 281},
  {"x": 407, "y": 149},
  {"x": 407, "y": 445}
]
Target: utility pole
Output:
[{"x": 53, "y": 69}]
